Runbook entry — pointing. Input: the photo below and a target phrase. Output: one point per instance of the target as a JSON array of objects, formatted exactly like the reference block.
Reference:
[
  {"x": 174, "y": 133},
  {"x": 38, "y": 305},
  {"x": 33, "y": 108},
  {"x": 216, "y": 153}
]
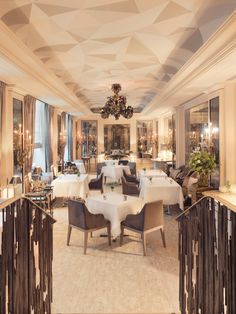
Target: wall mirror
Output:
[
  {"x": 117, "y": 137},
  {"x": 17, "y": 136},
  {"x": 144, "y": 139},
  {"x": 89, "y": 137}
]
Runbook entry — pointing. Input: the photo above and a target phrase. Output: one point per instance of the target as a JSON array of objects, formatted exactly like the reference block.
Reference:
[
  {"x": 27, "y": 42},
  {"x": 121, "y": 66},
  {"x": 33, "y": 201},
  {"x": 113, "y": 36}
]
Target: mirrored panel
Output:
[
  {"x": 89, "y": 137},
  {"x": 145, "y": 139},
  {"x": 17, "y": 136},
  {"x": 117, "y": 137},
  {"x": 196, "y": 127}
]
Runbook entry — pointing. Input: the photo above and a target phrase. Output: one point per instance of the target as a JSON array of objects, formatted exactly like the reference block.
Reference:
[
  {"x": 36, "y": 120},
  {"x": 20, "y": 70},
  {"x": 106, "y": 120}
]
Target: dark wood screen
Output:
[
  {"x": 207, "y": 259},
  {"x": 26, "y": 259}
]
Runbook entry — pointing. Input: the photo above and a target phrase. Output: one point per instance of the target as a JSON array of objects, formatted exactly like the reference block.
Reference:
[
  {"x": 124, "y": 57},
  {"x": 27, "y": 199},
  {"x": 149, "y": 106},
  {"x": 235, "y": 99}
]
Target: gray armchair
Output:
[
  {"x": 130, "y": 178},
  {"x": 129, "y": 188},
  {"x": 148, "y": 220},
  {"x": 97, "y": 184},
  {"x": 132, "y": 166},
  {"x": 81, "y": 219}
]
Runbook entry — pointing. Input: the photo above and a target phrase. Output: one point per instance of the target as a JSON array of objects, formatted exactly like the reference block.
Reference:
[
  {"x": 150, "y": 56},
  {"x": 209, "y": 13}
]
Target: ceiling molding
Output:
[
  {"x": 15, "y": 51},
  {"x": 221, "y": 44}
]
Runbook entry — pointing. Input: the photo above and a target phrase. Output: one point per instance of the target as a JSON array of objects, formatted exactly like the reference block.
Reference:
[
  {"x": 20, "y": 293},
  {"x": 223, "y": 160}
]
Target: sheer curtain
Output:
[{"x": 29, "y": 122}]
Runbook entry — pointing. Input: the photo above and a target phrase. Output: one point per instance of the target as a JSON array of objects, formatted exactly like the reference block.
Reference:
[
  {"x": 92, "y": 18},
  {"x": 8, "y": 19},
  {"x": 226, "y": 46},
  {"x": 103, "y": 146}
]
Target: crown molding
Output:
[
  {"x": 220, "y": 45},
  {"x": 15, "y": 51}
]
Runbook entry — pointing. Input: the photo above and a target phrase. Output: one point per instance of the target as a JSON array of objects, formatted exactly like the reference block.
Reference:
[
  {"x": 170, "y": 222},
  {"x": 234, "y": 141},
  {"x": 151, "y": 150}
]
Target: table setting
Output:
[
  {"x": 70, "y": 185},
  {"x": 161, "y": 188},
  {"x": 115, "y": 207}
]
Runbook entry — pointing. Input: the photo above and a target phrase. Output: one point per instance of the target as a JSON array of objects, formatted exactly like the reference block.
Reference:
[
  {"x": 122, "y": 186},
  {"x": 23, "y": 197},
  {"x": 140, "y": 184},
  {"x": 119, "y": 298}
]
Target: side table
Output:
[
  {"x": 42, "y": 198},
  {"x": 198, "y": 193}
]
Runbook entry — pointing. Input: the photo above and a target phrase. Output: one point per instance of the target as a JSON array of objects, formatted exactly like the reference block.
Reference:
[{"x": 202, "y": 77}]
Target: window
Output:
[{"x": 39, "y": 142}]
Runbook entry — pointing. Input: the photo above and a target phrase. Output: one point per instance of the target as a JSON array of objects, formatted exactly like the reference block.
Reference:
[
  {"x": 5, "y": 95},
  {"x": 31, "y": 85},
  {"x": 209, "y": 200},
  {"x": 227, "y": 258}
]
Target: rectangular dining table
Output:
[
  {"x": 151, "y": 173},
  {"x": 162, "y": 188},
  {"x": 70, "y": 185},
  {"x": 114, "y": 208},
  {"x": 115, "y": 172}
]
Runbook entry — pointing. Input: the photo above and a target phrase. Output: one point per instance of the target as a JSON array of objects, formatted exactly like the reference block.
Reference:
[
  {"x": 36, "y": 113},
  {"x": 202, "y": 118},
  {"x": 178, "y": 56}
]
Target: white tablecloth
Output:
[
  {"x": 111, "y": 162},
  {"x": 115, "y": 172},
  {"x": 151, "y": 173},
  {"x": 165, "y": 189},
  {"x": 80, "y": 166},
  {"x": 71, "y": 185},
  {"x": 114, "y": 208}
]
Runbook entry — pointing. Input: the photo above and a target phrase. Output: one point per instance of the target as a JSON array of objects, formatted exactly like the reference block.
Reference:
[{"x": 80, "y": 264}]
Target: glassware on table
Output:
[
  {"x": 125, "y": 197},
  {"x": 104, "y": 197}
]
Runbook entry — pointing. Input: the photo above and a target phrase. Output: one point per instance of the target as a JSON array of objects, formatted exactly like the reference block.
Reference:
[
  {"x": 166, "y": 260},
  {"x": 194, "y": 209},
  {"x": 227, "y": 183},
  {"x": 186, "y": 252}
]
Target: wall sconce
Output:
[{"x": 79, "y": 141}]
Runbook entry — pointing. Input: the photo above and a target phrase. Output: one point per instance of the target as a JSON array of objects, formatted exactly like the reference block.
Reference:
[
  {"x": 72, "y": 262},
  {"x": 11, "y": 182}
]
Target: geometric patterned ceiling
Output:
[{"x": 90, "y": 44}]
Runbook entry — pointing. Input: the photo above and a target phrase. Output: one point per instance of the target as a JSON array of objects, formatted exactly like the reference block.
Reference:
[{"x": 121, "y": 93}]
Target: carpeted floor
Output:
[{"x": 114, "y": 279}]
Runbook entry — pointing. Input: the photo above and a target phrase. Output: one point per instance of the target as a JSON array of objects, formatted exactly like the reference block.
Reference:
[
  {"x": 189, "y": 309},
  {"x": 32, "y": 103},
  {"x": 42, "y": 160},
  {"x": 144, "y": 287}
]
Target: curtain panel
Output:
[
  {"x": 29, "y": 126},
  {"x": 48, "y": 136},
  {"x": 69, "y": 137},
  {"x": 2, "y": 98},
  {"x": 62, "y": 142}
]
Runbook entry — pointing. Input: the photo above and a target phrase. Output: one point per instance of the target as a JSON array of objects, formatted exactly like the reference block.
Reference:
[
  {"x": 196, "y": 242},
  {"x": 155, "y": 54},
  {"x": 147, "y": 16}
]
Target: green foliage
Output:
[{"x": 202, "y": 162}]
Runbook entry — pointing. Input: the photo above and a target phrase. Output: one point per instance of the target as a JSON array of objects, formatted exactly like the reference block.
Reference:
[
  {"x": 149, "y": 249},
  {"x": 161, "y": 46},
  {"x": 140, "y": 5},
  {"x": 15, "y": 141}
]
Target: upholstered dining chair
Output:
[
  {"x": 99, "y": 167},
  {"x": 97, "y": 184},
  {"x": 123, "y": 162},
  {"x": 148, "y": 220},
  {"x": 129, "y": 188},
  {"x": 81, "y": 219},
  {"x": 132, "y": 166},
  {"x": 130, "y": 178}
]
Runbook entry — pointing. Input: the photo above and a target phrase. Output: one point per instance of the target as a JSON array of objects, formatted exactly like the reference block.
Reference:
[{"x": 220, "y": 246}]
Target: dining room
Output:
[{"x": 117, "y": 156}]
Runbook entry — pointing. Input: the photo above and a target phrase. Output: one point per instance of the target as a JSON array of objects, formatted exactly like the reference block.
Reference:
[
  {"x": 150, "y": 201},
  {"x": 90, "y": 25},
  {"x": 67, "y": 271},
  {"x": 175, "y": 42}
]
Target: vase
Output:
[{"x": 203, "y": 180}]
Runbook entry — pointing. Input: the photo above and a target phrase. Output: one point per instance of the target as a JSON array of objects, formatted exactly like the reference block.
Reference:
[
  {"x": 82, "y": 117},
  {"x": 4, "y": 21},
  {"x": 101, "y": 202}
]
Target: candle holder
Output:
[{"x": 22, "y": 145}]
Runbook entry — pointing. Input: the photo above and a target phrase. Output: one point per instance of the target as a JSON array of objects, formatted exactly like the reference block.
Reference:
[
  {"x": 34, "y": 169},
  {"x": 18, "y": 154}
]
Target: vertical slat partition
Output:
[
  {"x": 207, "y": 258},
  {"x": 26, "y": 258}
]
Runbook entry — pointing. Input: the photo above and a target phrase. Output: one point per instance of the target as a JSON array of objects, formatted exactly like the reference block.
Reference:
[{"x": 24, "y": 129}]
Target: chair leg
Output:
[
  {"x": 91, "y": 234},
  {"x": 85, "y": 241},
  {"x": 163, "y": 238},
  {"x": 109, "y": 233},
  {"x": 121, "y": 235},
  {"x": 69, "y": 234},
  {"x": 101, "y": 190},
  {"x": 144, "y": 245}
]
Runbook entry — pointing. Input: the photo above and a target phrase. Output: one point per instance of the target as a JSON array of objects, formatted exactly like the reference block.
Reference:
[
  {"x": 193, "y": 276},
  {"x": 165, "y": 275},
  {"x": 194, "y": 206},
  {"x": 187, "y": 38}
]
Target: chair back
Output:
[
  {"x": 77, "y": 213},
  {"x": 153, "y": 215},
  {"x": 123, "y": 162},
  {"x": 129, "y": 188},
  {"x": 132, "y": 166},
  {"x": 99, "y": 167},
  {"x": 125, "y": 174}
]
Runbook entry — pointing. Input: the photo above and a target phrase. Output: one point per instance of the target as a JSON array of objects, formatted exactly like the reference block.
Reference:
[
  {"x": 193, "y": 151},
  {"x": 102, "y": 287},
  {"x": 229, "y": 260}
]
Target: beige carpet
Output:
[{"x": 114, "y": 279}]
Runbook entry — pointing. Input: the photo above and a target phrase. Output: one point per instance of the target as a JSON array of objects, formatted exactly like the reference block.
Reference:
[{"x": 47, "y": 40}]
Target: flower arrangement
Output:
[{"x": 202, "y": 163}]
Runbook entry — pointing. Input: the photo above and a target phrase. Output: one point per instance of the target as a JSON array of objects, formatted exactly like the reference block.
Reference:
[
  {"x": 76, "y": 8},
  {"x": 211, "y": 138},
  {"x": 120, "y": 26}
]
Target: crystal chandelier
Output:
[{"x": 116, "y": 105}]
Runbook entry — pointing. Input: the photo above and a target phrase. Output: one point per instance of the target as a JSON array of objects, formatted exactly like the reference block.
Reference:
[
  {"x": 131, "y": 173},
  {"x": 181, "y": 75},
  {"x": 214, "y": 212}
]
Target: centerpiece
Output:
[{"x": 203, "y": 163}]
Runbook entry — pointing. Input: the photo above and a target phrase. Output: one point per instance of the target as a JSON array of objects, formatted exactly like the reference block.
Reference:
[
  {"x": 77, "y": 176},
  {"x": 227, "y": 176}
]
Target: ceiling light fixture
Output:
[{"x": 116, "y": 105}]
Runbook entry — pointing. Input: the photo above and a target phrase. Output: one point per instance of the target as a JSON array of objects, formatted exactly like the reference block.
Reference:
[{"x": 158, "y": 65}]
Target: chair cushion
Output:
[{"x": 174, "y": 173}]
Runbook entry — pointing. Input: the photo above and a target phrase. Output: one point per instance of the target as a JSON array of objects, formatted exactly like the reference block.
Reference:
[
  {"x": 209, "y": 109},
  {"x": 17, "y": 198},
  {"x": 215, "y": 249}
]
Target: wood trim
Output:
[{"x": 227, "y": 199}]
